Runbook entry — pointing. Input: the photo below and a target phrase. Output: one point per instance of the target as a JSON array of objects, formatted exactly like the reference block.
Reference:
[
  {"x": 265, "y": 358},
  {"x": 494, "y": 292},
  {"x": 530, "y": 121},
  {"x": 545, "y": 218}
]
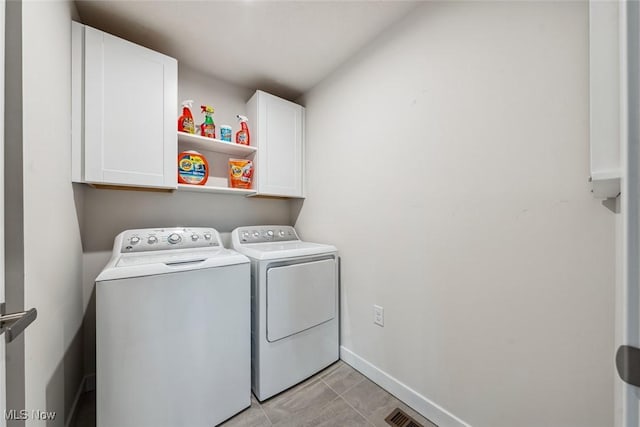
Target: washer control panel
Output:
[
  {"x": 159, "y": 239},
  {"x": 266, "y": 233}
]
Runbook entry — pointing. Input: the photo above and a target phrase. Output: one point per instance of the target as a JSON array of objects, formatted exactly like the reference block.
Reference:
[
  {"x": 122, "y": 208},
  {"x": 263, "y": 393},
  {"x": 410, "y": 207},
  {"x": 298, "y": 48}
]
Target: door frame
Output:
[
  {"x": 3, "y": 377},
  {"x": 627, "y": 397}
]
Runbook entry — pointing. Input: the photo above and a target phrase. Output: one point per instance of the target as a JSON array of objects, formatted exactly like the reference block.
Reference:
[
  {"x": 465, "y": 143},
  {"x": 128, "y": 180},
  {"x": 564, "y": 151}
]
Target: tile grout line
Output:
[
  {"x": 340, "y": 396},
  {"x": 314, "y": 380},
  {"x": 320, "y": 378},
  {"x": 358, "y": 412},
  {"x": 264, "y": 412},
  {"x": 329, "y": 402},
  {"x": 354, "y": 385},
  {"x": 330, "y": 388},
  {"x": 350, "y": 387}
]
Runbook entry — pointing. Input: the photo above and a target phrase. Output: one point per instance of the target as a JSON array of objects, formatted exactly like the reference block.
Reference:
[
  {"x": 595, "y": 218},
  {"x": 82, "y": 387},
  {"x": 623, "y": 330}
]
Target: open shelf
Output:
[
  {"x": 195, "y": 142},
  {"x": 212, "y": 189},
  {"x": 605, "y": 183}
]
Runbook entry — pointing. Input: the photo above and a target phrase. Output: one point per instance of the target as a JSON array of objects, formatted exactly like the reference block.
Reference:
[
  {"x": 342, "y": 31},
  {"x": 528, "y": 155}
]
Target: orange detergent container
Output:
[
  {"x": 240, "y": 173},
  {"x": 193, "y": 168}
]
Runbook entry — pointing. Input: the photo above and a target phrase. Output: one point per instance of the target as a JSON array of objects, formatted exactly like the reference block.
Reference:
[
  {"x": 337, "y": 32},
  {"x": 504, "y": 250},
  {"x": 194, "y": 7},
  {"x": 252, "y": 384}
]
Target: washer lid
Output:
[
  {"x": 277, "y": 250},
  {"x": 139, "y": 264}
]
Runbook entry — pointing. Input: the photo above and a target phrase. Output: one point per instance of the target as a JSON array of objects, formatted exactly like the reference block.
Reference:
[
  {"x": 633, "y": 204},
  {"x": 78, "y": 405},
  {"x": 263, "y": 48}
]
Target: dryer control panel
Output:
[
  {"x": 158, "y": 239},
  {"x": 265, "y": 233}
]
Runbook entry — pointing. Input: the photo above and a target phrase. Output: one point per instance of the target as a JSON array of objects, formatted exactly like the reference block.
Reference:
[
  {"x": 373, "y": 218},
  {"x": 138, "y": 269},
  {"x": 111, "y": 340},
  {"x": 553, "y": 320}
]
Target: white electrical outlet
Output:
[{"x": 378, "y": 315}]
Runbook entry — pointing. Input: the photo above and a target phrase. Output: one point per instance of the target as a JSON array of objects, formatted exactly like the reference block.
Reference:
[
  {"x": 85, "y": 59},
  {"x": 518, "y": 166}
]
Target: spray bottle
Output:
[
  {"x": 185, "y": 122},
  {"x": 242, "y": 136},
  {"x": 207, "y": 128}
]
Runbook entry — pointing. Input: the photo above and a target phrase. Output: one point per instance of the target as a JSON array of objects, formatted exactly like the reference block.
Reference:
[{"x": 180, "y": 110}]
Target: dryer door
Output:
[{"x": 299, "y": 297}]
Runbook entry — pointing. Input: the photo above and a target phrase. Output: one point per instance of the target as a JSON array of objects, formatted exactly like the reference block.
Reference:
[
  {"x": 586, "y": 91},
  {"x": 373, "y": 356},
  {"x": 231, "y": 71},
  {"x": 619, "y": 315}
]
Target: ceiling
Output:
[{"x": 284, "y": 47}]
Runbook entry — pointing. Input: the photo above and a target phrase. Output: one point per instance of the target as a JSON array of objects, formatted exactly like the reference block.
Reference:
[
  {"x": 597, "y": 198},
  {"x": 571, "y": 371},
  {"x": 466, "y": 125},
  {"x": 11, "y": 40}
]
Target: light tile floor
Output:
[{"x": 338, "y": 396}]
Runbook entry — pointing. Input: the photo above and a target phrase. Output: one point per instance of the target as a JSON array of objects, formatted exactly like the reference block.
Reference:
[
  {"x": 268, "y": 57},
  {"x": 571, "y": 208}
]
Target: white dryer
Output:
[
  {"x": 294, "y": 309},
  {"x": 172, "y": 330}
]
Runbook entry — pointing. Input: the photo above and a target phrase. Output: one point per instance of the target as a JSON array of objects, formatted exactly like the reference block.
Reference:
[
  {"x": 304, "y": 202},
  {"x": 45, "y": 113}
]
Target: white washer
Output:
[
  {"x": 172, "y": 330},
  {"x": 294, "y": 309}
]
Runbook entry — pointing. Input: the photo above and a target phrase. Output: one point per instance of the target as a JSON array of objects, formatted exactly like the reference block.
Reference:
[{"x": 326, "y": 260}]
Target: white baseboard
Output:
[
  {"x": 410, "y": 397},
  {"x": 86, "y": 380}
]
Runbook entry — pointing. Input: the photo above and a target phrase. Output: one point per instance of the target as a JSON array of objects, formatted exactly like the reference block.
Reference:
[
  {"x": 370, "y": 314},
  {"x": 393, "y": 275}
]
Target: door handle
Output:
[
  {"x": 13, "y": 324},
  {"x": 628, "y": 364}
]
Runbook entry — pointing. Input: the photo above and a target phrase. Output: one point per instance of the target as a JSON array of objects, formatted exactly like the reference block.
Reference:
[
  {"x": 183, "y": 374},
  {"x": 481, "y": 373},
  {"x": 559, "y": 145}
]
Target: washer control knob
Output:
[
  {"x": 207, "y": 236},
  {"x": 174, "y": 238},
  {"x": 256, "y": 234},
  {"x": 270, "y": 233},
  {"x": 134, "y": 240},
  {"x": 281, "y": 233},
  {"x": 152, "y": 240},
  {"x": 195, "y": 237}
]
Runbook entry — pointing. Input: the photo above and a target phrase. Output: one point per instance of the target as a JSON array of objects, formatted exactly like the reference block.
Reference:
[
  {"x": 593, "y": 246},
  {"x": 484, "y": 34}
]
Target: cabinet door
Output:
[
  {"x": 130, "y": 101},
  {"x": 280, "y": 144}
]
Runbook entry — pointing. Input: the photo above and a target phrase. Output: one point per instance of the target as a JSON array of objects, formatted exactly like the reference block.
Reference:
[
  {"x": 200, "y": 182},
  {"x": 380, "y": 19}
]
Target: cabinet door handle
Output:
[{"x": 12, "y": 324}]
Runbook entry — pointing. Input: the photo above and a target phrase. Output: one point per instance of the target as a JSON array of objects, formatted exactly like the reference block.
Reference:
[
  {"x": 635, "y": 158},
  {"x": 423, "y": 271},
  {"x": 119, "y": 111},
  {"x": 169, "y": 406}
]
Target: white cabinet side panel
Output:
[
  {"x": 93, "y": 105},
  {"x": 170, "y": 115},
  {"x": 604, "y": 88},
  {"x": 77, "y": 95}
]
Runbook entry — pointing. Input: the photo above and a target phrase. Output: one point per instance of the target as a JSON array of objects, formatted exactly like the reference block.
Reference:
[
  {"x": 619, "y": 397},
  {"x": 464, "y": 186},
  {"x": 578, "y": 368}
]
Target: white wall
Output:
[
  {"x": 52, "y": 246},
  {"x": 448, "y": 162}
]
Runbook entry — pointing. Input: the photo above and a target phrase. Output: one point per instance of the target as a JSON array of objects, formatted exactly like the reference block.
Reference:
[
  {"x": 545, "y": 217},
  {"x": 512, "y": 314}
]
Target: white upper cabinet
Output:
[
  {"x": 124, "y": 112},
  {"x": 276, "y": 127}
]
